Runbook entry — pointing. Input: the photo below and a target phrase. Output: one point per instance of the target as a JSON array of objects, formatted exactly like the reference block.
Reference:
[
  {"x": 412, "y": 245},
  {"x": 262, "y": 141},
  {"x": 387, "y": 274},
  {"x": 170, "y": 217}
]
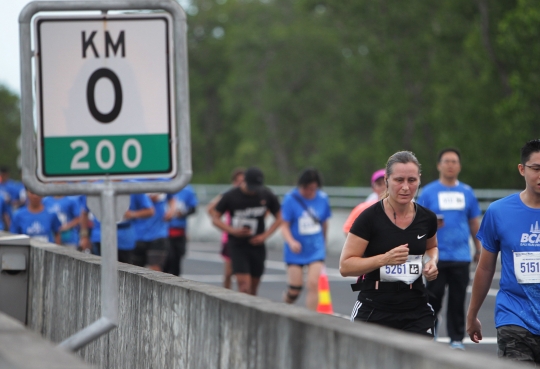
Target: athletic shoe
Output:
[{"x": 457, "y": 345}]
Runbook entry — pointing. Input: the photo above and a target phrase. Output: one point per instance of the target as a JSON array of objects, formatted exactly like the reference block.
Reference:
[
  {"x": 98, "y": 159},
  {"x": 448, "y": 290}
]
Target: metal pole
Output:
[
  {"x": 109, "y": 278},
  {"x": 107, "y": 190}
]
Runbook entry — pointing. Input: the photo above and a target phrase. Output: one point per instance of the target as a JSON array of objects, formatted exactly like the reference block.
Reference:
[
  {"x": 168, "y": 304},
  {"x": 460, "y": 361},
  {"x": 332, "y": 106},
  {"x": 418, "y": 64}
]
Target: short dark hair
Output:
[
  {"x": 528, "y": 149},
  {"x": 448, "y": 149},
  {"x": 308, "y": 176},
  {"x": 4, "y": 169},
  {"x": 236, "y": 172}
]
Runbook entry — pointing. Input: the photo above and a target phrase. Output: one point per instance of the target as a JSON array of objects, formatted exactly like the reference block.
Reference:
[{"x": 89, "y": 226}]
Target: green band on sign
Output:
[{"x": 72, "y": 156}]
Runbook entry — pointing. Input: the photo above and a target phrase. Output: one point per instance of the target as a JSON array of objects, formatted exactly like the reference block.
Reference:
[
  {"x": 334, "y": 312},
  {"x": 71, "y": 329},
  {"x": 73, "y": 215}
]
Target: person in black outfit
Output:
[
  {"x": 386, "y": 246},
  {"x": 248, "y": 205}
]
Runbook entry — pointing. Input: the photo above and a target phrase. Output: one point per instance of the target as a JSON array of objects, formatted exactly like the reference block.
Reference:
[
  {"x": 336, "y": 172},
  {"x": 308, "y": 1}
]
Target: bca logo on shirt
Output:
[
  {"x": 531, "y": 237},
  {"x": 35, "y": 228}
]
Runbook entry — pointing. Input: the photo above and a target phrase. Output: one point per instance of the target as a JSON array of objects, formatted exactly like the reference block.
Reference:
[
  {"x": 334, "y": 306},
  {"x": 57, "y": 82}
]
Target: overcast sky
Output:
[{"x": 9, "y": 42}]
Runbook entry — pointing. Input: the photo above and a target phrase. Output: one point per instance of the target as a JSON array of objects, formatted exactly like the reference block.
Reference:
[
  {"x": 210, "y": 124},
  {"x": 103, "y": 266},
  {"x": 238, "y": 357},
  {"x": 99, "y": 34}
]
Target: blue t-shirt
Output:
[
  {"x": 510, "y": 226},
  {"x": 66, "y": 209},
  {"x": 185, "y": 200},
  {"x": 125, "y": 231},
  {"x": 458, "y": 204},
  {"x": 15, "y": 189},
  {"x": 42, "y": 225},
  {"x": 4, "y": 209},
  {"x": 304, "y": 228},
  {"x": 154, "y": 227}
]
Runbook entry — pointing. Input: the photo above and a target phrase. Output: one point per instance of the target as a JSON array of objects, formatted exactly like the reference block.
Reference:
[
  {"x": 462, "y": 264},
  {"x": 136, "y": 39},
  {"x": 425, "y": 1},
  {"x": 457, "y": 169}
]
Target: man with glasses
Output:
[
  {"x": 457, "y": 210},
  {"x": 511, "y": 227}
]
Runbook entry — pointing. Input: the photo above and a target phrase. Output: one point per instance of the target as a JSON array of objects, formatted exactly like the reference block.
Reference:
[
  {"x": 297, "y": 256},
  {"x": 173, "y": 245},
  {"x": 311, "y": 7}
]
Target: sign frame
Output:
[
  {"x": 47, "y": 159},
  {"x": 182, "y": 136}
]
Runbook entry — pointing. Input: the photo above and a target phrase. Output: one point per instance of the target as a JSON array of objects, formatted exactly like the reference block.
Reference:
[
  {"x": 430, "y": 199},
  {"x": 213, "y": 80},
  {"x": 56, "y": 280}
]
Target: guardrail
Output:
[
  {"x": 343, "y": 197},
  {"x": 170, "y": 322}
]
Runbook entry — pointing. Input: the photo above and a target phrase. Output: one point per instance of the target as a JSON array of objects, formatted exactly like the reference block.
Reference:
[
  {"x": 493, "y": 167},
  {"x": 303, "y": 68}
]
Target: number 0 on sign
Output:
[{"x": 105, "y": 88}]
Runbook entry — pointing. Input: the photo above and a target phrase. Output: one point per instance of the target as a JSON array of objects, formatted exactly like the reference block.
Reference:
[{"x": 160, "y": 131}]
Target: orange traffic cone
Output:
[{"x": 325, "y": 301}]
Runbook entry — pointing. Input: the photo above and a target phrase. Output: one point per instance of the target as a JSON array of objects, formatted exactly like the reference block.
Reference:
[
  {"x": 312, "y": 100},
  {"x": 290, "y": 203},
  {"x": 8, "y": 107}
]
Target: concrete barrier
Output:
[
  {"x": 21, "y": 348},
  {"x": 170, "y": 322}
]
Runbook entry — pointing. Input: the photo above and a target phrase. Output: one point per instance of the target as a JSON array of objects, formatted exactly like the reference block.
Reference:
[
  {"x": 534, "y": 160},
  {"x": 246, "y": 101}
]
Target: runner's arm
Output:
[
  {"x": 7, "y": 221},
  {"x": 217, "y": 222},
  {"x": 260, "y": 238},
  {"x": 294, "y": 245},
  {"x": 353, "y": 263},
  {"x": 481, "y": 284},
  {"x": 71, "y": 224},
  {"x": 142, "y": 213},
  {"x": 212, "y": 204},
  {"x": 474, "y": 226},
  {"x": 432, "y": 252}
]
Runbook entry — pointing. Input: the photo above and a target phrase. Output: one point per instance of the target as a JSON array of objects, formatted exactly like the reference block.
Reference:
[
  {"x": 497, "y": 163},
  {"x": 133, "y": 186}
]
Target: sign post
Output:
[{"x": 111, "y": 104}]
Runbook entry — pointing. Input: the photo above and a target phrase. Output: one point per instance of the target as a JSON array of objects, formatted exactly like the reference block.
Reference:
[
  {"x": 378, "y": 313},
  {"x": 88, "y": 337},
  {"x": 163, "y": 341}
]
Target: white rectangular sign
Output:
[{"x": 105, "y": 96}]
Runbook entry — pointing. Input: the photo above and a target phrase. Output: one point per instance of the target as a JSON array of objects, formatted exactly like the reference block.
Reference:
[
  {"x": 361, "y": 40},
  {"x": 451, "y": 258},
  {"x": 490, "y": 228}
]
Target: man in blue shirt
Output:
[
  {"x": 68, "y": 211},
  {"x": 511, "y": 227},
  {"x": 152, "y": 234},
  {"x": 140, "y": 206},
  {"x": 14, "y": 190},
  {"x": 457, "y": 208},
  {"x": 35, "y": 221},
  {"x": 183, "y": 204}
]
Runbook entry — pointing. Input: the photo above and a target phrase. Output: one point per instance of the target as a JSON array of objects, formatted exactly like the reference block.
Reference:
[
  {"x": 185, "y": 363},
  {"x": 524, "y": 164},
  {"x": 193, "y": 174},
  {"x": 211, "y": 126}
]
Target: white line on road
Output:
[
  {"x": 333, "y": 274},
  {"x": 269, "y": 264}
]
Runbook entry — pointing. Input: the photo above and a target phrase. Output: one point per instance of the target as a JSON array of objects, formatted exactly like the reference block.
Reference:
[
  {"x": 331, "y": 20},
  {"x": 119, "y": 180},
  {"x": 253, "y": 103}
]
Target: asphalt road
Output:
[{"x": 204, "y": 264}]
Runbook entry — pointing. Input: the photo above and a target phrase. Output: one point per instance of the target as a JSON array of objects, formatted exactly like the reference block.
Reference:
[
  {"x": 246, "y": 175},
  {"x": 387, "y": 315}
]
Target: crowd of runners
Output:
[{"x": 406, "y": 250}]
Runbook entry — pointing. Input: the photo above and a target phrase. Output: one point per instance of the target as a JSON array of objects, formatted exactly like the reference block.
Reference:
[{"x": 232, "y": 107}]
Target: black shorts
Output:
[
  {"x": 517, "y": 343},
  {"x": 151, "y": 252},
  {"x": 420, "y": 320},
  {"x": 225, "y": 250},
  {"x": 303, "y": 265},
  {"x": 247, "y": 259}
]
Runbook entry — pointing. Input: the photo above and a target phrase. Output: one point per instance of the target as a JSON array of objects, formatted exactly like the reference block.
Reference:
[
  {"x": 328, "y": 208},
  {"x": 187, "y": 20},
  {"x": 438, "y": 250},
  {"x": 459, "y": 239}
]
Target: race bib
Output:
[
  {"x": 527, "y": 267},
  {"x": 238, "y": 222},
  {"x": 451, "y": 201},
  {"x": 307, "y": 225},
  {"x": 406, "y": 273}
]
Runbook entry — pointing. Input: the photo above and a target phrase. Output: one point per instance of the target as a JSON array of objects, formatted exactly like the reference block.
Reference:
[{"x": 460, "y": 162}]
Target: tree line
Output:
[{"x": 341, "y": 85}]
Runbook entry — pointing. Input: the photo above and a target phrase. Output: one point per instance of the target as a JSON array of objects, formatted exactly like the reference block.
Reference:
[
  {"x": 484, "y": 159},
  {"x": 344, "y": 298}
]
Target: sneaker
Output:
[{"x": 457, "y": 345}]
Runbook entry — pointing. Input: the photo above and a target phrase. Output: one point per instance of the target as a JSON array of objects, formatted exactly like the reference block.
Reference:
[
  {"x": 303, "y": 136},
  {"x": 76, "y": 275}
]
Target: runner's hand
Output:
[
  {"x": 241, "y": 232},
  {"x": 398, "y": 255},
  {"x": 474, "y": 329},
  {"x": 295, "y": 246},
  {"x": 430, "y": 270},
  {"x": 258, "y": 239}
]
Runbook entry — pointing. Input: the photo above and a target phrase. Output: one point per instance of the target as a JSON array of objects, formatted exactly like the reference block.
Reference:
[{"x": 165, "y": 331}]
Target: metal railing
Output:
[{"x": 343, "y": 197}]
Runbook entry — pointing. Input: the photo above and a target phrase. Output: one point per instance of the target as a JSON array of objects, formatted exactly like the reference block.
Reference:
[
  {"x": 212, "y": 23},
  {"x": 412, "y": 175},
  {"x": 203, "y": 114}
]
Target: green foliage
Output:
[
  {"x": 343, "y": 85},
  {"x": 10, "y": 126}
]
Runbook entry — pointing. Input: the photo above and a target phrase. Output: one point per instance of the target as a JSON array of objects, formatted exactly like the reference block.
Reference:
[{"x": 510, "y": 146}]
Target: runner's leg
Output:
[
  {"x": 314, "y": 272},
  {"x": 295, "y": 281},
  {"x": 244, "y": 282},
  {"x": 255, "y": 281},
  {"x": 457, "y": 291}
]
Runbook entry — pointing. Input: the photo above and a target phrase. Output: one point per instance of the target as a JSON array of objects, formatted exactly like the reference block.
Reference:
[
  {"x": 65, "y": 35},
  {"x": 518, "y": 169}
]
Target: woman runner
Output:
[
  {"x": 385, "y": 248},
  {"x": 305, "y": 213}
]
